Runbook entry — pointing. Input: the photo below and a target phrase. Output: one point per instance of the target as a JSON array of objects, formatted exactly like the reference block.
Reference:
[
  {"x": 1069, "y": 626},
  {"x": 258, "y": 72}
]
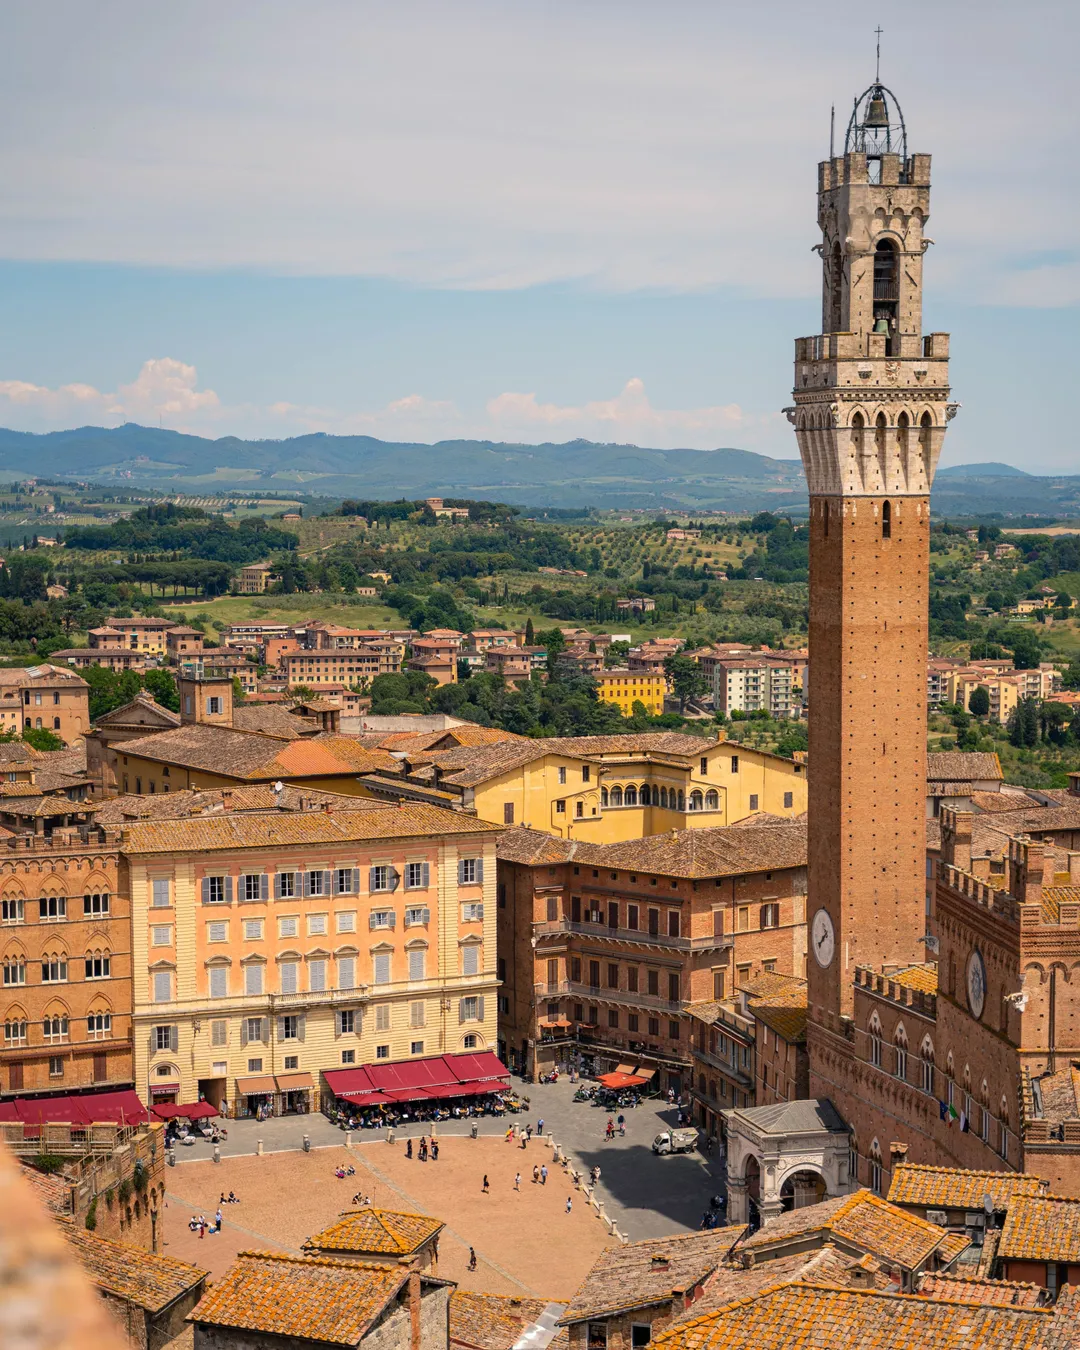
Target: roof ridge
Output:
[{"x": 338, "y": 1263}]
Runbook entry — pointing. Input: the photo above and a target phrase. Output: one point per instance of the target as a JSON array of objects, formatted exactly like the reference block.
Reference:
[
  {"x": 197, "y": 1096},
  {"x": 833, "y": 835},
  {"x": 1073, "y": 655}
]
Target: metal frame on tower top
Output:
[{"x": 874, "y": 141}]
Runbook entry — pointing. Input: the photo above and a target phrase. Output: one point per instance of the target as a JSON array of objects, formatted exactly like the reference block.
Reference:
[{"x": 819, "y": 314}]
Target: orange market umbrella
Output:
[{"x": 621, "y": 1080}]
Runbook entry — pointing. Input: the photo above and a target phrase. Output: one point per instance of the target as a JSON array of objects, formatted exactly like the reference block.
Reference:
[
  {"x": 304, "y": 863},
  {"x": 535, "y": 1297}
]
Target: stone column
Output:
[{"x": 738, "y": 1200}]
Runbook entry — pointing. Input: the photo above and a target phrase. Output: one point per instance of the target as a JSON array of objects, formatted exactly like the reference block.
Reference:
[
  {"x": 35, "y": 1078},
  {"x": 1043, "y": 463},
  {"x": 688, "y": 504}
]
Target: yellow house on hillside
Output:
[{"x": 625, "y": 687}]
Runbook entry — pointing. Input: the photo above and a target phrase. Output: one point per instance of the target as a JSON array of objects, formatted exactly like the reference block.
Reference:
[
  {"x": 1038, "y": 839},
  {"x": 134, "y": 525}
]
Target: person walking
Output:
[
  {"x": 472, "y": 1258},
  {"x": 517, "y": 1181},
  {"x": 408, "y": 1148},
  {"x": 202, "y": 1228},
  {"x": 540, "y": 1126},
  {"x": 528, "y": 1132},
  {"x": 536, "y": 1174},
  {"x": 569, "y": 1203},
  {"x": 434, "y": 1150},
  {"x": 622, "y": 1124},
  {"x": 543, "y": 1175},
  {"x": 217, "y": 1218},
  {"x": 485, "y": 1189}
]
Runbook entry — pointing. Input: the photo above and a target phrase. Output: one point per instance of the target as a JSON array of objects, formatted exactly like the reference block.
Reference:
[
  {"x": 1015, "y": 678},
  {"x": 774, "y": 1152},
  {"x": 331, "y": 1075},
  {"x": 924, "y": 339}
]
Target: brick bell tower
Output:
[{"x": 871, "y": 407}]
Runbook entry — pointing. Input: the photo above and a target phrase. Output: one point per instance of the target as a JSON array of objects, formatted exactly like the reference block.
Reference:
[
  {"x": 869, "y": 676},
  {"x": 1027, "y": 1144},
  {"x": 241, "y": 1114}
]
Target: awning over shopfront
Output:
[
  {"x": 163, "y": 1089},
  {"x": 414, "y": 1080},
  {"x": 103, "y": 1108},
  {"x": 293, "y": 1082},
  {"x": 190, "y": 1110},
  {"x": 261, "y": 1084}
]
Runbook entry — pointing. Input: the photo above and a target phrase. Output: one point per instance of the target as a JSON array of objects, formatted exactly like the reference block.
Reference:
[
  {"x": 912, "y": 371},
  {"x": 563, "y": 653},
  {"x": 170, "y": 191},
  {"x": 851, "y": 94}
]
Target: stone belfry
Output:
[{"x": 871, "y": 407}]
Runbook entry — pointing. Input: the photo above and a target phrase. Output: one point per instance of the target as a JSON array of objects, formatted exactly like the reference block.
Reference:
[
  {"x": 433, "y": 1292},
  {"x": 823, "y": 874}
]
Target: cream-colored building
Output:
[{"x": 271, "y": 946}]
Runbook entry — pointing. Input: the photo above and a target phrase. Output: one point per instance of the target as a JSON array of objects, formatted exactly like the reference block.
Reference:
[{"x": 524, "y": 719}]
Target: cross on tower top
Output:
[{"x": 877, "y": 68}]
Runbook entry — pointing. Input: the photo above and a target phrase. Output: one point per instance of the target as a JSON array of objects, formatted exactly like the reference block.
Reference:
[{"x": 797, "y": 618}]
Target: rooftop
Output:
[
  {"x": 132, "y": 1273},
  {"x": 307, "y": 1298},
  {"x": 975, "y": 1289},
  {"x": 1041, "y": 1228},
  {"x": 385, "y": 1231},
  {"x": 643, "y": 1273},
  {"x": 248, "y": 754},
  {"x": 783, "y": 1010},
  {"x": 235, "y": 830},
  {"x": 957, "y": 1188},
  {"x": 491, "y": 1321},
  {"x": 801, "y": 1314},
  {"x": 867, "y": 1222},
  {"x": 731, "y": 850},
  {"x": 962, "y": 766},
  {"x": 211, "y": 801}
]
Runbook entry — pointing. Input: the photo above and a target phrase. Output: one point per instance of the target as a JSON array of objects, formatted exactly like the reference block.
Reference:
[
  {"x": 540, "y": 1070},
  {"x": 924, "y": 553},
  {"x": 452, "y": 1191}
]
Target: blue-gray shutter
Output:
[
  {"x": 480, "y": 871},
  {"x": 307, "y": 883},
  {"x": 480, "y": 1007},
  {"x": 461, "y": 1010},
  {"x": 206, "y": 890},
  {"x": 277, "y": 885},
  {"x": 228, "y": 890},
  {"x": 371, "y": 880},
  {"x": 174, "y": 1039},
  {"x": 327, "y": 881},
  {"x": 300, "y": 1027},
  {"x": 395, "y": 877},
  {"x": 425, "y": 875},
  {"x": 264, "y": 887},
  {"x": 355, "y": 881},
  {"x": 461, "y": 872}
]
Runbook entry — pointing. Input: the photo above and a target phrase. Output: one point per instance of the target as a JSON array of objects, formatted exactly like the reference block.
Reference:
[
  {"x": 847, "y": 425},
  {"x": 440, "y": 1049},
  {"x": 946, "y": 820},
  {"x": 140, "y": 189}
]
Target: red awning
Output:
[
  {"x": 348, "y": 1082},
  {"x": 51, "y": 1111},
  {"x": 413, "y": 1073},
  {"x": 192, "y": 1111},
  {"x": 414, "y": 1094},
  {"x": 8, "y": 1112},
  {"x": 115, "y": 1108},
  {"x": 476, "y": 1066},
  {"x": 364, "y": 1098}
]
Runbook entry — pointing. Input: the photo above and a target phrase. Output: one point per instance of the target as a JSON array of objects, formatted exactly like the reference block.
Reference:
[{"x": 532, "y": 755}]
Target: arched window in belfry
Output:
[
  {"x": 836, "y": 278},
  {"x": 881, "y": 428},
  {"x": 858, "y": 433},
  {"x": 886, "y": 291},
  {"x": 903, "y": 423},
  {"x": 926, "y": 422},
  {"x": 886, "y": 521}
]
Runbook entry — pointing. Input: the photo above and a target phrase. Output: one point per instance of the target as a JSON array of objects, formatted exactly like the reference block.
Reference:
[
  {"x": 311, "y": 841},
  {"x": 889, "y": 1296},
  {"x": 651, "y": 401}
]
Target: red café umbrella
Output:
[
  {"x": 621, "y": 1080},
  {"x": 200, "y": 1111}
]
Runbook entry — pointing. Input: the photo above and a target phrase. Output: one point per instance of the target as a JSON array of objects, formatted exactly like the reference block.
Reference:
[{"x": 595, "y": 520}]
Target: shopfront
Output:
[
  {"x": 294, "y": 1094},
  {"x": 255, "y": 1096}
]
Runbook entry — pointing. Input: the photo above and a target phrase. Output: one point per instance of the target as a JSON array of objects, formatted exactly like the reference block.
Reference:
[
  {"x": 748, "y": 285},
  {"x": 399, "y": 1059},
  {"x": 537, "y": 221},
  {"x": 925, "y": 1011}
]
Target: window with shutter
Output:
[
  {"x": 470, "y": 960},
  {"x": 382, "y": 1017},
  {"x": 382, "y": 967},
  {"x": 416, "y": 964},
  {"x": 162, "y": 986},
  {"x": 416, "y": 1014},
  {"x": 253, "y": 979},
  {"x": 160, "y": 892},
  {"x": 288, "y": 977},
  {"x": 346, "y": 972},
  {"x": 219, "y": 982},
  {"x": 346, "y": 921},
  {"x": 219, "y": 1033},
  {"x": 317, "y": 975}
]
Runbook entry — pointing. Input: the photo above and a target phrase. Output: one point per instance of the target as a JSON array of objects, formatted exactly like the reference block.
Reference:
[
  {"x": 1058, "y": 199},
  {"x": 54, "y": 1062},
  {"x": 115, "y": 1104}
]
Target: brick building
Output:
[
  {"x": 46, "y": 697},
  {"x": 65, "y": 952},
  {"x": 603, "y": 947}
]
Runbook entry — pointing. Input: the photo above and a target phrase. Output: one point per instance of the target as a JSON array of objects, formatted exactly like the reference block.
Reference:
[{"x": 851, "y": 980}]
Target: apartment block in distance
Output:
[
  {"x": 625, "y": 687},
  {"x": 65, "y": 954},
  {"x": 273, "y": 945},
  {"x": 753, "y": 684},
  {"x": 607, "y": 947}
]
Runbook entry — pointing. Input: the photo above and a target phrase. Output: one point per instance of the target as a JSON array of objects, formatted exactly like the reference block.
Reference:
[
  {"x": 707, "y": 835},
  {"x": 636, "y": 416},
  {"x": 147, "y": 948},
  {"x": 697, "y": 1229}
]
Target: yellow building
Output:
[
  {"x": 625, "y": 687},
  {"x": 605, "y": 788},
  {"x": 272, "y": 945},
  {"x": 1005, "y": 691}
]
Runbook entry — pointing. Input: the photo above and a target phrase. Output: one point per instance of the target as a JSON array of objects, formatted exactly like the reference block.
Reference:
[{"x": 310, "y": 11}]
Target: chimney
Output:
[
  {"x": 897, "y": 1154},
  {"x": 956, "y": 838},
  {"x": 660, "y": 1262},
  {"x": 414, "y": 1294}
]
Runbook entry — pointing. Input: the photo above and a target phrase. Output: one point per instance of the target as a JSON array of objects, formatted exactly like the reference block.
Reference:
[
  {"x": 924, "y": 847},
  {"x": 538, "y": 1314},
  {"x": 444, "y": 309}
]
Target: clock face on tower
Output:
[
  {"x": 976, "y": 983},
  {"x": 822, "y": 938}
]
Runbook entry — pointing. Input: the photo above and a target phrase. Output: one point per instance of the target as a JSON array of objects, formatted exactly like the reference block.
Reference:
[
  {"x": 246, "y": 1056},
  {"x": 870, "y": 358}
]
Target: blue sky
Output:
[{"x": 520, "y": 221}]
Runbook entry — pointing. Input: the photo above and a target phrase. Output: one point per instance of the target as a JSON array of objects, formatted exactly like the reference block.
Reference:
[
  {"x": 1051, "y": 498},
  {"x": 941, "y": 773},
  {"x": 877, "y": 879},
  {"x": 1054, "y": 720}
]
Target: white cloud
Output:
[
  {"x": 479, "y": 145},
  {"x": 166, "y": 391}
]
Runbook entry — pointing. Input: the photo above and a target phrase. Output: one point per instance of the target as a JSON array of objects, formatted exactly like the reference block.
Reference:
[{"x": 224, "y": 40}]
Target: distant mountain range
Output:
[{"x": 574, "y": 473}]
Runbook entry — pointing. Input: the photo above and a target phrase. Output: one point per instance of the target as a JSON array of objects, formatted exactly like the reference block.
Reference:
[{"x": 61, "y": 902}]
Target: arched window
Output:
[
  {"x": 663, "y": 796},
  {"x": 886, "y": 520},
  {"x": 98, "y": 965},
  {"x": 886, "y": 291},
  {"x": 682, "y": 800},
  {"x": 56, "y": 724},
  {"x": 712, "y": 800},
  {"x": 16, "y": 1025},
  {"x": 701, "y": 1084},
  {"x": 925, "y": 424},
  {"x": 853, "y": 1160},
  {"x": 950, "y": 1079},
  {"x": 1003, "y": 1129},
  {"x": 603, "y": 796},
  {"x": 903, "y": 424},
  {"x": 881, "y": 428},
  {"x": 644, "y": 794},
  {"x": 926, "y": 1056},
  {"x": 697, "y": 800},
  {"x": 616, "y": 796},
  {"x": 875, "y": 1041},
  {"x": 630, "y": 796},
  {"x": 858, "y": 433},
  {"x": 55, "y": 1027},
  {"x": 875, "y": 1167},
  {"x": 900, "y": 1045},
  {"x": 984, "y": 1100}
]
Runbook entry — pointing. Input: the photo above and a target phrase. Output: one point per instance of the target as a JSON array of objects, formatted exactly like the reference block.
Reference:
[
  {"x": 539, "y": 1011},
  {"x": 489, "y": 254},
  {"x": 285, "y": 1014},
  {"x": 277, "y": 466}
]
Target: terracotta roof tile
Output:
[
  {"x": 974, "y": 1289},
  {"x": 256, "y": 830},
  {"x": 962, "y": 766},
  {"x": 802, "y": 1314},
  {"x": 957, "y": 1188},
  {"x": 923, "y": 977},
  {"x": 211, "y": 801},
  {"x": 490, "y": 1321},
  {"x": 132, "y": 1273},
  {"x": 644, "y": 1273},
  {"x": 244, "y": 754},
  {"x": 730, "y": 850},
  {"x": 307, "y": 1298},
  {"x": 385, "y": 1231},
  {"x": 1041, "y": 1228},
  {"x": 864, "y": 1220}
]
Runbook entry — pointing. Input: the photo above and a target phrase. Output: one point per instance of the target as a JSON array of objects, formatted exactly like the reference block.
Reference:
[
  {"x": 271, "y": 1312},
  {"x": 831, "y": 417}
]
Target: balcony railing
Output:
[{"x": 640, "y": 936}]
